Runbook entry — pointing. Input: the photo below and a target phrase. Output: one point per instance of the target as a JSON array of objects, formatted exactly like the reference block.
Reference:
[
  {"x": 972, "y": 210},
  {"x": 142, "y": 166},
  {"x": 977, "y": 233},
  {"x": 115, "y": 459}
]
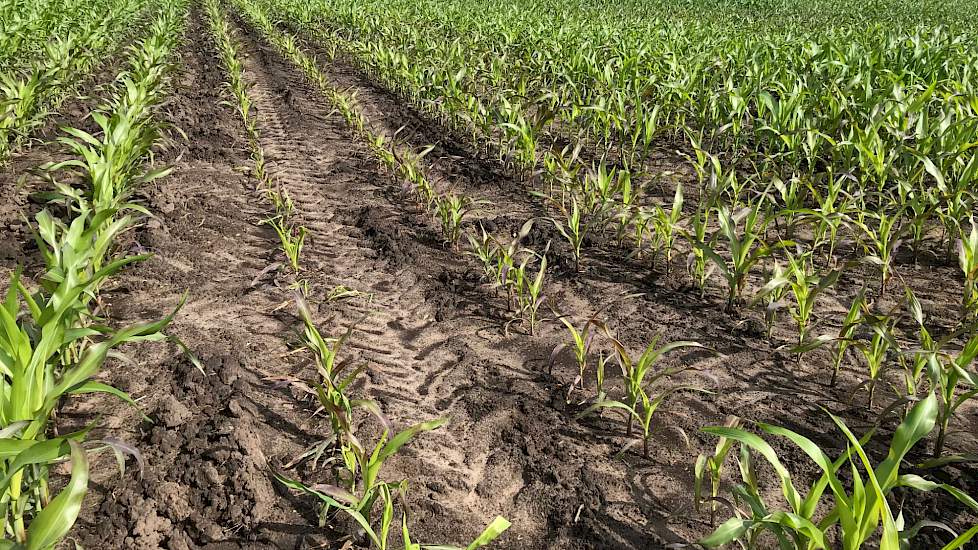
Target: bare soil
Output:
[{"x": 431, "y": 334}]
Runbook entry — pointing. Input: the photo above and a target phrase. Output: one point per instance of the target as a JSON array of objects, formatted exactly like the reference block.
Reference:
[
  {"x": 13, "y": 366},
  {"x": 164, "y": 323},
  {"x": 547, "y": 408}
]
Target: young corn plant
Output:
[
  {"x": 774, "y": 298},
  {"x": 858, "y": 513},
  {"x": 712, "y": 465},
  {"x": 951, "y": 373},
  {"x": 875, "y": 350},
  {"x": 667, "y": 225},
  {"x": 698, "y": 264},
  {"x": 39, "y": 373},
  {"x": 854, "y": 317},
  {"x": 573, "y": 228},
  {"x": 581, "y": 340},
  {"x": 451, "y": 210},
  {"x": 627, "y": 209},
  {"x": 805, "y": 286},
  {"x": 857, "y": 316},
  {"x": 291, "y": 237},
  {"x": 358, "y": 489},
  {"x": 525, "y": 288},
  {"x": 486, "y": 249},
  {"x": 881, "y": 240},
  {"x": 640, "y": 403},
  {"x": 831, "y": 200},
  {"x": 506, "y": 272},
  {"x": 744, "y": 247},
  {"x": 385, "y": 495},
  {"x": 530, "y": 291},
  {"x": 968, "y": 260},
  {"x": 642, "y": 227}
]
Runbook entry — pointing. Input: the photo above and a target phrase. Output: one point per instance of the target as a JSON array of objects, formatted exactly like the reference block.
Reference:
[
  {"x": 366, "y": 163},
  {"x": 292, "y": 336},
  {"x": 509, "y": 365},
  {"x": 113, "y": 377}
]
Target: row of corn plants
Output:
[
  {"x": 26, "y": 26},
  {"x": 53, "y": 342},
  {"x": 357, "y": 489},
  {"x": 778, "y": 182},
  {"x": 29, "y": 93}
]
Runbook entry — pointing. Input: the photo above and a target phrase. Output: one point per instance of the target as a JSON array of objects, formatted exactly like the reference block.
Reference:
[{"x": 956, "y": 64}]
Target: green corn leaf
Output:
[
  {"x": 962, "y": 539},
  {"x": 52, "y": 523},
  {"x": 761, "y": 446},
  {"x": 729, "y": 531}
]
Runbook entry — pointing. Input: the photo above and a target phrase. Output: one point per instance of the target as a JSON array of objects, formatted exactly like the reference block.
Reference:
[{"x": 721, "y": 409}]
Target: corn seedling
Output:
[
  {"x": 667, "y": 227},
  {"x": 572, "y": 227},
  {"x": 875, "y": 349},
  {"x": 805, "y": 287},
  {"x": 859, "y": 513},
  {"x": 639, "y": 381},
  {"x": 529, "y": 290},
  {"x": 485, "y": 248},
  {"x": 774, "y": 298},
  {"x": 581, "y": 340},
  {"x": 745, "y": 248},
  {"x": 853, "y": 319},
  {"x": 712, "y": 465},
  {"x": 968, "y": 260},
  {"x": 361, "y": 488},
  {"x": 451, "y": 210},
  {"x": 698, "y": 264},
  {"x": 831, "y": 200},
  {"x": 37, "y": 376},
  {"x": 291, "y": 237},
  {"x": 881, "y": 240},
  {"x": 951, "y": 375}
]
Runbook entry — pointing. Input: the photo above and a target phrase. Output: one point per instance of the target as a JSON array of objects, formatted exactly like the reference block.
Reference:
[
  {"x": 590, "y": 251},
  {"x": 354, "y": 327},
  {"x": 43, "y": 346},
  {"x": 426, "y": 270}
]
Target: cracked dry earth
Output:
[{"x": 428, "y": 330}]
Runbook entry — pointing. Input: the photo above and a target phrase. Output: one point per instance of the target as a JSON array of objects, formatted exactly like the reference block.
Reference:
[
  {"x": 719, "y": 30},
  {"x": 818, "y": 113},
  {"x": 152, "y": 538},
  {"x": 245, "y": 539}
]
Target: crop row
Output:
[
  {"x": 53, "y": 340},
  {"x": 30, "y": 90}
]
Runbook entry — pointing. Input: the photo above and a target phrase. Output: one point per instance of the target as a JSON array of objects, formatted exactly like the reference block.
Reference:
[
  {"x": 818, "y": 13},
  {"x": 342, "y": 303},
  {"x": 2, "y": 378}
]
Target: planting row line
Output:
[{"x": 53, "y": 342}]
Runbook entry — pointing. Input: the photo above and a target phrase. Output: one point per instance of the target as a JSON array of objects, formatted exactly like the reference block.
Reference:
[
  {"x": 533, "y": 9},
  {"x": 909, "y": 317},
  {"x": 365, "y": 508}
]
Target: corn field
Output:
[{"x": 443, "y": 274}]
